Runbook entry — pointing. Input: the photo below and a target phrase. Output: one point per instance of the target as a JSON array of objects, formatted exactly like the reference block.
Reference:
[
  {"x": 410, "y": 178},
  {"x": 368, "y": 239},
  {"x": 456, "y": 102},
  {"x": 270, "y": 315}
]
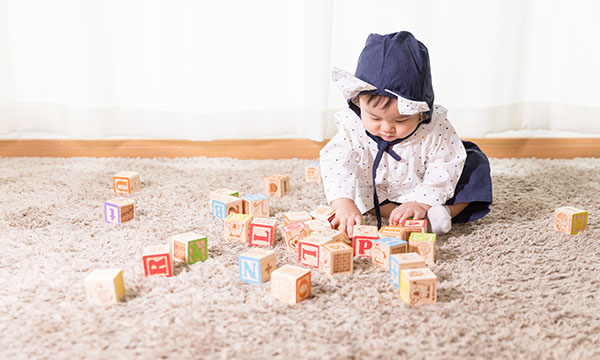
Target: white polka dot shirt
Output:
[{"x": 431, "y": 162}]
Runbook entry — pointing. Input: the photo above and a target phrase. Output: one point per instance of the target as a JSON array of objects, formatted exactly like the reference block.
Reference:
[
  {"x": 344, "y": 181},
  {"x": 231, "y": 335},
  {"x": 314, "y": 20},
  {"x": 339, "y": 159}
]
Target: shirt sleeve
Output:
[
  {"x": 446, "y": 157},
  {"x": 338, "y": 162}
]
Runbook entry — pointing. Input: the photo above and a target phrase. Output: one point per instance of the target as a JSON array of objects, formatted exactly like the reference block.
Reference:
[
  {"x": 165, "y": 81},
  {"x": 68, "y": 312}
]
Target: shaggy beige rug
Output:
[{"x": 509, "y": 286}]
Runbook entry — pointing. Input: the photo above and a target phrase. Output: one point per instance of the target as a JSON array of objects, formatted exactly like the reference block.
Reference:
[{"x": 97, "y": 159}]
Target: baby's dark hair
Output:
[{"x": 379, "y": 101}]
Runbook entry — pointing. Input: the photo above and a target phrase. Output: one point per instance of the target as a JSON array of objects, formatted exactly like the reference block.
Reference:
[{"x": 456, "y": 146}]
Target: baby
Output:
[{"x": 395, "y": 154}]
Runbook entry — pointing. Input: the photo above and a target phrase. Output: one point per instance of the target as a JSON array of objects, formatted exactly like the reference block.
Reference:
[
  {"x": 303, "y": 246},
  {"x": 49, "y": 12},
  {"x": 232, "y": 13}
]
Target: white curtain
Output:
[{"x": 199, "y": 70}]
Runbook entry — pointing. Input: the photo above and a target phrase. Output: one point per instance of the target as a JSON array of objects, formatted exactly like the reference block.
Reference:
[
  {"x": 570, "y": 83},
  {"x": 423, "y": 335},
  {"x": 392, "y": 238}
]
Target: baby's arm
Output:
[{"x": 346, "y": 215}]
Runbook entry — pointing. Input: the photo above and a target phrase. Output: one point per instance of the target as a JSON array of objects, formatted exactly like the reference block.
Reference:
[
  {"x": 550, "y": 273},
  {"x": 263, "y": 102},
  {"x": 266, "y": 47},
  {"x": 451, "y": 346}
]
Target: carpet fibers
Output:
[{"x": 509, "y": 286}]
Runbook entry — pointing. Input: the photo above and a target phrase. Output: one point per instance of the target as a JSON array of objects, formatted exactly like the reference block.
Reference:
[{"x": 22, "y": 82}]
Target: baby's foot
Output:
[{"x": 439, "y": 218}]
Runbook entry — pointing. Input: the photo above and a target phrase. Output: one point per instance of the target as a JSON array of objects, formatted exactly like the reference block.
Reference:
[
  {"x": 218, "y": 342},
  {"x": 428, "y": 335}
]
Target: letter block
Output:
[
  {"x": 384, "y": 248},
  {"x": 362, "y": 237},
  {"x": 418, "y": 286},
  {"x": 295, "y": 217},
  {"x": 158, "y": 261},
  {"x": 291, "y": 284},
  {"x": 293, "y": 233},
  {"x": 190, "y": 247},
  {"x": 277, "y": 185},
  {"x": 313, "y": 172},
  {"x": 262, "y": 232},
  {"x": 222, "y": 206},
  {"x": 412, "y": 226},
  {"x": 120, "y": 210},
  {"x": 104, "y": 286},
  {"x": 399, "y": 262},
  {"x": 256, "y": 205},
  {"x": 317, "y": 224},
  {"x": 424, "y": 245},
  {"x": 394, "y": 231},
  {"x": 323, "y": 212},
  {"x": 256, "y": 265},
  {"x": 336, "y": 258},
  {"x": 570, "y": 220},
  {"x": 126, "y": 182},
  {"x": 309, "y": 250},
  {"x": 333, "y": 235},
  {"x": 236, "y": 227}
]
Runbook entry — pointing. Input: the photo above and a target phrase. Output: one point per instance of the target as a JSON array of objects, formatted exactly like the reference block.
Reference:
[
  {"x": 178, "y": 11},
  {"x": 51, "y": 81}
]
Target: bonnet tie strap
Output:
[{"x": 383, "y": 146}]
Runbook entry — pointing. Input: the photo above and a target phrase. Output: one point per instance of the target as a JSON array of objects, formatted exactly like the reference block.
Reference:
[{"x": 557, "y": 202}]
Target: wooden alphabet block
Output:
[
  {"x": 309, "y": 250},
  {"x": 331, "y": 234},
  {"x": 385, "y": 247},
  {"x": 190, "y": 247},
  {"x": 293, "y": 233},
  {"x": 119, "y": 210},
  {"x": 277, "y": 185},
  {"x": 158, "y": 261},
  {"x": 424, "y": 245},
  {"x": 291, "y": 284},
  {"x": 336, "y": 258},
  {"x": 236, "y": 227},
  {"x": 224, "y": 191},
  {"x": 317, "y": 224},
  {"x": 295, "y": 217},
  {"x": 323, "y": 212},
  {"x": 412, "y": 225},
  {"x": 104, "y": 286},
  {"x": 393, "y": 231},
  {"x": 256, "y": 265},
  {"x": 126, "y": 182},
  {"x": 222, "y": 206},
  {"x": 256, "y": 205},
  {"x": 362, "y": 237},
  {"x": 313, "y": 172},
  {"x": 399, "y": 262},
  {"x": 570, "y": 220},
  {"x": 262, "y": 232},
  {"x": 418, "y": 286}
]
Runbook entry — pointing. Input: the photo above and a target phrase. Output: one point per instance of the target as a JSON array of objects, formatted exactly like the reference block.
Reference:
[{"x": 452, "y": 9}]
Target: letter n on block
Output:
[
  {"x": 256, "y": 265},
  {"x": 158, "y": 261},
  {"x": 291, "y": 284}
]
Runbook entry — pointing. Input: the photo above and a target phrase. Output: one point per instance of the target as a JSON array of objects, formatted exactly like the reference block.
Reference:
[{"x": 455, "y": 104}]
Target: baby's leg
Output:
[{"x": 440, "y": 216}]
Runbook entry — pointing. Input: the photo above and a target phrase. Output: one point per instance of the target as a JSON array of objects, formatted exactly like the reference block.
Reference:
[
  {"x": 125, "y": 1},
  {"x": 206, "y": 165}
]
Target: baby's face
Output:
[{"x": 388, "y": 124}]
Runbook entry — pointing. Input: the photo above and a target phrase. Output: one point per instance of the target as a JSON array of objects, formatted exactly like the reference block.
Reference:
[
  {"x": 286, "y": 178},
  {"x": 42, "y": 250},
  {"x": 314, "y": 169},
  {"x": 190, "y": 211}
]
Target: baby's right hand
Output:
[{"x": 346, "y": 215}]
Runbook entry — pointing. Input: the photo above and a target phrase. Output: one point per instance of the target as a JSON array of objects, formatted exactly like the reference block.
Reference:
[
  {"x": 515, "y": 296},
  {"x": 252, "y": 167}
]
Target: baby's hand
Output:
[
  {"x": 346, "y": 215},
  {"x": 407, "y": 210}
]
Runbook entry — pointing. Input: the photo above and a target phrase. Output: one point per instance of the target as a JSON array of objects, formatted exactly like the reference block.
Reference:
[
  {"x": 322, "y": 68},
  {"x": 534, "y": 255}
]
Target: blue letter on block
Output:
[
  {"x": 249, "y": 269},
  {"x": 395, "y": 271},
  {"x": 218, "y": 209}
]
